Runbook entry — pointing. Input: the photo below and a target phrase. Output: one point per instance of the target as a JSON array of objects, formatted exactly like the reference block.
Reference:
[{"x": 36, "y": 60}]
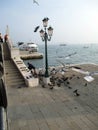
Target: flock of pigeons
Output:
[{"x": 58, "y": 77}]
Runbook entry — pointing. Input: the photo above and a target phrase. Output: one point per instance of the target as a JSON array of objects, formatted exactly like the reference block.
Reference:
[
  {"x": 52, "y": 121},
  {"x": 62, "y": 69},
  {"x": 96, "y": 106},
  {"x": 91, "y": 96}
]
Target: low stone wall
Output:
[{"x": 25, "y": 55}]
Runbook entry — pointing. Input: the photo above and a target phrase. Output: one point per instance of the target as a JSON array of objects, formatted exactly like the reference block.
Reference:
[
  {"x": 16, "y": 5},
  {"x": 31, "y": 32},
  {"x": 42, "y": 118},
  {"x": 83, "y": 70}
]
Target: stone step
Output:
[
  {"x": 9, "y": 65},
  {"x": 11, "y": 71},
  {"x": 15, "y": 80},
  {"x": 13, "y": 76},
  {"x": 15, "y": 84}
]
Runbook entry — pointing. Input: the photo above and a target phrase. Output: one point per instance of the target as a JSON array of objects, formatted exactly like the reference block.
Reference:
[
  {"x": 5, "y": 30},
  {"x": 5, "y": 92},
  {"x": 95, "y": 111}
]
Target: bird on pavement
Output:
[
  {"x": 76, "y": 92},
  {"x": 50, "y": 85}
]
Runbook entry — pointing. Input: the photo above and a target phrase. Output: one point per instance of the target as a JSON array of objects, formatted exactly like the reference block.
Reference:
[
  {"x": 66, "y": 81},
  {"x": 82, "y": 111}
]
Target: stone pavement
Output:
[{"x": 58, "y": 109}]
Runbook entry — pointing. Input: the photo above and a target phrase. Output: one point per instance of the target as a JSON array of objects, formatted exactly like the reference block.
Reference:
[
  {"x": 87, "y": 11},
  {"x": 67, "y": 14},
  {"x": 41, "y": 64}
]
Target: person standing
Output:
[
  {"x": 1, "y": 39},
  {"x": 5, "y": 38}
]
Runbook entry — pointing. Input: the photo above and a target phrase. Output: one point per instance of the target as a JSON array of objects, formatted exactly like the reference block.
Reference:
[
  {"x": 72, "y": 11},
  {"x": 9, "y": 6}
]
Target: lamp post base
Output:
[{"x": 46, "y": 80}]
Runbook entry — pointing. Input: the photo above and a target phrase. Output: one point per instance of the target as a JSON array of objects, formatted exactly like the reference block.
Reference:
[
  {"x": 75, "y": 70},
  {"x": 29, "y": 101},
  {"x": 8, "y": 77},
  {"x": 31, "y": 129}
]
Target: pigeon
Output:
[
  {"x": 27, "y": 77},
  {"x": 59, "y": 84},
  {"x": 78, "y": 77},
  {"x": 51, "y": 85},
  {"x": 43, "y": 86},
  {"x": 7, "y": 73},
  {"x": 76, "y": 92},
  {"x": 35, "y": 2},
  {"x": 69, "y": 87},
  {"x": 65, "y": 78},
  {"x": 85, "y": 84},
  {"x": 35, "y": 30},
  {"x": 19, "y": 87},
  {"x": 68, "y": 82}
]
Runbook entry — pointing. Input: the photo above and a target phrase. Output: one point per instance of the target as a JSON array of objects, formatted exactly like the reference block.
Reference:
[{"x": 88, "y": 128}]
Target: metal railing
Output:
[
  {"x": 2, "y": 124},
  {"x": 3, "y": 95}
]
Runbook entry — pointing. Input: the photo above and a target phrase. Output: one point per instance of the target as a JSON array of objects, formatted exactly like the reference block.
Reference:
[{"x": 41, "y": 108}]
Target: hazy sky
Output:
[{"x": 74, "y": 21}]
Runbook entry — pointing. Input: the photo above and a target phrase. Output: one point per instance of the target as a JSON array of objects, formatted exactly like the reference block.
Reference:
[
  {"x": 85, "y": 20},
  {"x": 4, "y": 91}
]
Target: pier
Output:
[{"x": 25, "y": 55}]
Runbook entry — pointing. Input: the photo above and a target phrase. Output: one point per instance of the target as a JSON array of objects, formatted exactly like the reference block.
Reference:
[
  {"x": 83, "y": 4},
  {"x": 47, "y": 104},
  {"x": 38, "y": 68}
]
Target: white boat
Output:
[{"x": 31, "y": 47}]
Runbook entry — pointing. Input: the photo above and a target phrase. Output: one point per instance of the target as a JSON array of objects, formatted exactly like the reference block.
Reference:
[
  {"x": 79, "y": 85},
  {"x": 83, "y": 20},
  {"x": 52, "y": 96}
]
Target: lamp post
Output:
[{"x": 46, "y": 37}]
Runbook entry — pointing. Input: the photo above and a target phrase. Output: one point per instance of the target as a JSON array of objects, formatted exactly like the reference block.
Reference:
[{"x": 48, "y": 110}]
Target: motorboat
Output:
[{"x": 30, "y": 46}]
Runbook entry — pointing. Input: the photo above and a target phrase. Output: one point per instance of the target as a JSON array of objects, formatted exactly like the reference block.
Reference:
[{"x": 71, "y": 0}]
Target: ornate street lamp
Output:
[{"x": 46, "y": 37}]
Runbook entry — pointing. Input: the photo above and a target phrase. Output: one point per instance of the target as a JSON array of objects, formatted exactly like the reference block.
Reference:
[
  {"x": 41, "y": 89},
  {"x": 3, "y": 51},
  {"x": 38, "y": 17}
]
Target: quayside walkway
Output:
[
  {"x": 58, "y": 109},
  {"x": 37, "y": 108}
]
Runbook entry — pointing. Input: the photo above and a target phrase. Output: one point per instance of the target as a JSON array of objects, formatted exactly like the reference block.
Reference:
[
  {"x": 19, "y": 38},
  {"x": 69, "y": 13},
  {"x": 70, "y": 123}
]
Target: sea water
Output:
[{"x": 67, "y": 54}]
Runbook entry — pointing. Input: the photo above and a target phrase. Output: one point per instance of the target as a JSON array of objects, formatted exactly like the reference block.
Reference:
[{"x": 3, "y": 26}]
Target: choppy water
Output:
[{"x": 82, "y": 53}]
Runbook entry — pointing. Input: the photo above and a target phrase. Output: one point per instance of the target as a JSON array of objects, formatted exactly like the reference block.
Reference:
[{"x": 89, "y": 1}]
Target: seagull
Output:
[
  {"x": 88, "y": 74},
  {"x": 61, "y": 63},
  {"x": 66, "y": 66},
  {"x": 35, "y": 2},
  {"x": 68, "y": 56},
  {"x": 80, "y": 70},
  {"x": 20, "y": 43},
  {"x": 35, "y": 30}
]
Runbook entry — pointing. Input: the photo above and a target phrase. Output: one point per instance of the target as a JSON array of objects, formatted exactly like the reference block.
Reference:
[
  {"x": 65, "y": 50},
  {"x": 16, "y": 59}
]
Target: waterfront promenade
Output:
[{"x": 58, "y": 109}]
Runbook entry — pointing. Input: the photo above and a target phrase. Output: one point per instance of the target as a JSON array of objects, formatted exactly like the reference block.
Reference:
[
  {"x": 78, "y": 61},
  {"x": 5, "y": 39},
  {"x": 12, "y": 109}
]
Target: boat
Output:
[
  {"x": 62, "y": 44},
  {"x": 85, "y": 47},
  {"x": 30, "y": 46}
]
